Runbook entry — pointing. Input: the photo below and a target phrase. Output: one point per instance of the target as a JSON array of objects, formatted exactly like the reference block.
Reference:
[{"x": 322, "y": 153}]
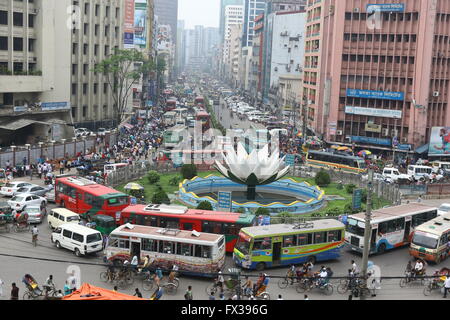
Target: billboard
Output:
[
  {"x": 439, "y": 142},
  {"x": 386, "y": 7},
  {"x": 374, "y": 112},
  {"x": 371, "y": 94},
  {"x": 140, "y": 23},
  {"x": 128, "y": 38},
  {"x": 371, "y": 140}
]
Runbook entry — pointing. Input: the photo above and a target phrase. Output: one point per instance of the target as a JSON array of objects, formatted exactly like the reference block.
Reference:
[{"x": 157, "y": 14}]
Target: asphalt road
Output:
[{"x": 18, "y": 257}]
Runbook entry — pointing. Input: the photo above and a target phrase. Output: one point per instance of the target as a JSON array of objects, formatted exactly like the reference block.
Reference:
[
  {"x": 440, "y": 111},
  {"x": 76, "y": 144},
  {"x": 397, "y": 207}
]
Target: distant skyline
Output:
[{"x": 199, "y": 12}]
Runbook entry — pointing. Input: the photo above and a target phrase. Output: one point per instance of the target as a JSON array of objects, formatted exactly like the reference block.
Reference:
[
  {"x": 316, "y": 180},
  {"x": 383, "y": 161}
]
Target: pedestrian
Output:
[
  {"x": 115, "y": 289},
  {"x": 1, "y": 287},
  {"x": 188, "y": 295},
  {"x": 137, "y": 293},
  {"x": 419, "y": 199},
  {"x": 305, "y": 297},
  {"x": 280, "y": 297},
  {"x": 66, "y": 288},
  {"x": 72, "y": 283},
  {"x": 211, "y": 296},
  {"x": 14, "y": 292},
  {"x": 446, "y": 286}
]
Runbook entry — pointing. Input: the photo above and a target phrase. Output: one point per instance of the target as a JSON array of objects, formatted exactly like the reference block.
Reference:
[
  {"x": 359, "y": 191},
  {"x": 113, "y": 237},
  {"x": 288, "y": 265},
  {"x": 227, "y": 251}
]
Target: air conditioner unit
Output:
[
  {"x": 436, "y": 94},
  {"x": 385, "y": 132},
  {"x": 339, "y": 132},
  {"x": 394, "y": 132},
  {"x": 356, "y": 10}
]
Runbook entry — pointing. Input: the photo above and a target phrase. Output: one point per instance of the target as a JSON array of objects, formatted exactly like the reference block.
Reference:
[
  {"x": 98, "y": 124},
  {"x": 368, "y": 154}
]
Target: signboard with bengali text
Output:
[{"x": 371, "y": 94}]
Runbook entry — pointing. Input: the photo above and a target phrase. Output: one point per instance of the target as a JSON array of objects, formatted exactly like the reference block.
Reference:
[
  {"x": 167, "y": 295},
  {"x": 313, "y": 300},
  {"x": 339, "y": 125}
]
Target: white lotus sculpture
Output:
[{"x": 256, "y": 168}]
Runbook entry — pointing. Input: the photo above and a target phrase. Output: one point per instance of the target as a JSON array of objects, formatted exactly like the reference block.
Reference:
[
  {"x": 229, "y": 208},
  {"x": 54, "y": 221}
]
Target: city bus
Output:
[
  {"x": 88, "y": 198},
  {"x": 336, "y": 161},
  {"x": 200, "y": 254},
  {"x": 111, "y": 167},
  {"x": 286, "y": 244},
  {"x": 180, "y": 217},
  {"x": 199, "y": 100},
  {"x": 170, "y": 118},
  {"x": 171, "y": 104},
  {"x": 430, "y": 239},
  {"x": 392, "y": 227},
  {"x": 204, "y": 119}
]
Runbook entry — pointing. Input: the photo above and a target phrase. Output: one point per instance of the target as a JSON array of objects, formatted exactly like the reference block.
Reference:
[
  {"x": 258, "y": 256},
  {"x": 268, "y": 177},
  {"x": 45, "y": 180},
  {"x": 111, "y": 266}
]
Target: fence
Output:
[{"x": 51, "y": 151}]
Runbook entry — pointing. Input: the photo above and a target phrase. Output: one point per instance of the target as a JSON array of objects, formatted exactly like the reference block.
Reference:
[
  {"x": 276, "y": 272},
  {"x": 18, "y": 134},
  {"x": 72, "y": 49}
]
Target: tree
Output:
[
  {"x": 322, "y": 178},
  {"x": 188, "y": 171},
  {"x": 204, "y": 205},
  {"x": 153, "y": 177},
  {"x": 122, "y": 70},
  {"x": 350, "y": 188},
  {"x": 160, "y": 197},
  {"x": 262, "y": 212}
]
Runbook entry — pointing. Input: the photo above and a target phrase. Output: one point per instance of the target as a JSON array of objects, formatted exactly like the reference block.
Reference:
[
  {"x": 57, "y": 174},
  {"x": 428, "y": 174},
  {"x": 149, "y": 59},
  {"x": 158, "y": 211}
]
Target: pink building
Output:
[{"x": 378, "y": 73}]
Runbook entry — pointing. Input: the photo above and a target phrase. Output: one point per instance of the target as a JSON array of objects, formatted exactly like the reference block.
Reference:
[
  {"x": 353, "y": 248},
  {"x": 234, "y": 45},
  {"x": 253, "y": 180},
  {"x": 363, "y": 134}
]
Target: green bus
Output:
[{"x": 286, "y": 244}]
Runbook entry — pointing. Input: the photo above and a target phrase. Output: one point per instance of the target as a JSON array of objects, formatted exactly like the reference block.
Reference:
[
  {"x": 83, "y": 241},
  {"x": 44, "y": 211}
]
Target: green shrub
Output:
[
  {"x": 322, "y": 178},
  {"x": 188, "y": 171},
  {"x": 262, "y": 212},
  {"x": 339, "y": 186},
  {"x": 333, "y": 212},
  {"x": 174, "y": 181},
  {"x": 139, "y": 194},
  {"x": 205, "y": 205},
  {"x": 153, "y": 177},
  {"x": 160, "y": 197},
  {"x": 349, "y": 188},
  {"x": 364, "y": 195}
]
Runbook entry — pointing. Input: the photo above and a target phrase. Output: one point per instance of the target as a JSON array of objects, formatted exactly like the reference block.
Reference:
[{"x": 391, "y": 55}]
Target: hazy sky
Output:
[{"x": 199, "y": 12}]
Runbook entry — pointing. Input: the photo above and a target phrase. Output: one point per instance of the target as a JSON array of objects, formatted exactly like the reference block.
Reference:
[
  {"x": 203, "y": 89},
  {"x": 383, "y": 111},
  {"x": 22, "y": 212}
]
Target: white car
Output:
[
  {"x": 19, "y": 202},
  {"x": 50, "y": 196},
  {"x": 11, "y": 187},
  {"x": 32, "y": 189},
  {"x": 101, "y": 131},
  {"x": 443, "y": 209},
  {"x": 36, "y": 214},
  {"x": 81, "y": 132}
]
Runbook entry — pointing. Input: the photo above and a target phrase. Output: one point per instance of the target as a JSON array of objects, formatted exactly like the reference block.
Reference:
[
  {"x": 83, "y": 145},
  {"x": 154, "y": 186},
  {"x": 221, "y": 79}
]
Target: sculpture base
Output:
[{"x": 251, "y": 193}]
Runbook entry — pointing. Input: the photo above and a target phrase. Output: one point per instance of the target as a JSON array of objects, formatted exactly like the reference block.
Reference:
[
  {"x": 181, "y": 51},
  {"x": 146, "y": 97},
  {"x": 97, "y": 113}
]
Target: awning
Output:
[
  {"x": 423, "y": 149},
  {"x": 17, "y": 124}
]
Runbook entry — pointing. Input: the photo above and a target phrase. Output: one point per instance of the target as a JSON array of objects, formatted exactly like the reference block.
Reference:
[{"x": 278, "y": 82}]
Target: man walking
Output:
[
  {"x": 14, "y": 292},
  {"x": 188, "y": 295},
  {"x": 446, "y": 286}
]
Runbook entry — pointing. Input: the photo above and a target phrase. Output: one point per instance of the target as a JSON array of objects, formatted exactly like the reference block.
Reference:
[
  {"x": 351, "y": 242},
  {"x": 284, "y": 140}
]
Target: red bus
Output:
[
  {"x": 88, "y": 198},
  {"x": 179, "y": 217},
  {"x": 199, "y": 100},
  {"x": 171, "y": 105},
  {"x": 204, "y": 118}
]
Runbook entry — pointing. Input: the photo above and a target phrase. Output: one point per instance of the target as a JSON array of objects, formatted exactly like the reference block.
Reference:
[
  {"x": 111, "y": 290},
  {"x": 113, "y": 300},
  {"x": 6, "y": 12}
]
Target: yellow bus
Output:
[{"x": 336, "y": 161}]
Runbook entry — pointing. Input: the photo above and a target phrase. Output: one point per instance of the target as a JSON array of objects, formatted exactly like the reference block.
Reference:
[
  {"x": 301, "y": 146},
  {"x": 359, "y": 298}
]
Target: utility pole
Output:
[
  {"x": 304, "y": 118},
  {"x": 367, "y": 229}
]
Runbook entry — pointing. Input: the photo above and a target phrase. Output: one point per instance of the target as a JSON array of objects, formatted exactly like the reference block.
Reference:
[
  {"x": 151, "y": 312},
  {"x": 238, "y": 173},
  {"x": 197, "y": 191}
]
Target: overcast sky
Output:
[{"x": 199, "y": 12}]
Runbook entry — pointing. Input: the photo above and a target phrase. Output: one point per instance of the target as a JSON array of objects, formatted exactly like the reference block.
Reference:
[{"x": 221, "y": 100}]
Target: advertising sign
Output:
[
  {"x": 374, "y": 112},
  {"x": 387, "y": 7},
  {"x": 140, "y": 23},
  {"x": 129, "y": 25},
  {"x": 439, "y": 142},
  {"x": 20, "y": 109},
  {"x": 45, "y": 106},
  {"x": 224, "y": 201},
  {"x": 371, "y": 94},
  {"x": 371, "y": 127},
  {"x": 370, "y": 140},
  {"x": 356, "y": 200}
]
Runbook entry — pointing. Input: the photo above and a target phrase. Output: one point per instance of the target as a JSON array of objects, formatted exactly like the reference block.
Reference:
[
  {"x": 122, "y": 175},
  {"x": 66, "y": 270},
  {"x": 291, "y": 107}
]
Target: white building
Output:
[{"x": 234, "y": 15}]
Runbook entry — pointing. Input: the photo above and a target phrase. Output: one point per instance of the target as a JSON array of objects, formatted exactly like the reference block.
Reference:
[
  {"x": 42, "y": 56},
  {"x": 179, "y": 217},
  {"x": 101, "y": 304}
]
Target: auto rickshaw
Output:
[{"x": 103, "y": 223}]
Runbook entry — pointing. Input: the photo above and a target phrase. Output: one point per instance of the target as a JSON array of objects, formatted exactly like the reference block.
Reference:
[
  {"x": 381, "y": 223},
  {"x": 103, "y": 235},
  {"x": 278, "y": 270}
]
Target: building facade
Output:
[
  {"x": 377, "y": 75},
  {"x": 167, "y": 12},
  {"x": 35, "y": 65},
  {"x": 234, "y": 15},
  {"x": 252, "y": 9}
]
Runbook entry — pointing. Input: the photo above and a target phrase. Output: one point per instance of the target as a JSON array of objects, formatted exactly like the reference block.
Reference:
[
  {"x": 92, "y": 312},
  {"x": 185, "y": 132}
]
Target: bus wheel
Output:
[
  {"x": 260, "y": 266},
  {"x": 381, "y": 248},
  {"x": 312, "y": 260}
]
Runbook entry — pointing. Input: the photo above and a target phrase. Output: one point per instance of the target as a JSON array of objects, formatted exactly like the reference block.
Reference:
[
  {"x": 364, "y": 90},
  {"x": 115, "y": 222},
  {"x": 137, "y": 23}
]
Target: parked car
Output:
[
  {"x": 9, "y": 188},
  {"x": 101, "y": 131},
  {"x": 36, "y": 214},
  {"x": 443, "y": 209},
  {"x": 80, "y": 132},
  {"x": 19, "y": 202},
  {"x": 395, "y": 175},
  {"x": 32, "y": 189}
]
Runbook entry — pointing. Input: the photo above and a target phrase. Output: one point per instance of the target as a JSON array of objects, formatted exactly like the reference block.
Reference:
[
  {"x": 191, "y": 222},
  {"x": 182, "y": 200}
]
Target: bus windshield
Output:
[
  {"x": 362, "y": 165},
  {"x": 118, "y": 201},
  {"x": 243, "y": 245},
  {"x": 424, "y": 240},
  {"x": 354, "y": 226}
]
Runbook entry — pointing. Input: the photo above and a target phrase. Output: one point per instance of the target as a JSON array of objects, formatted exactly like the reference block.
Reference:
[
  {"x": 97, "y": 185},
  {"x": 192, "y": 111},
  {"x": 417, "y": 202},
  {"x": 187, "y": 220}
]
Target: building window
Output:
[
  {"x": 85, "y": 88},
  {"x": 74, "y": 48},
  {"x": 74, "y": 112},
  {"x": 97, "y": 8},
  {"x": 85, "y": 49},
  {"x": 95, "y": 50},
  {"x": 18, "y": 19},
  {"x": 18, "y": 44},
  {"x": 18, "y": 67},
  {"x": 85, "y": 111},
  {"x": 31, "y": 21},
  {"x": 86, "y": 8},
  {"x": 105, "y": 88},
  {"x": 74, "y": 88},
  {"x": 96, "y": 29},
  {"x": 74, "y": 69},
  {"x": 95, "y": 88},
  {"x": 85, "y": 68},
  {"x": 3, "y": 17},
  {"x": 86, "y": 28},
  {"x": 3, "y": 43}
]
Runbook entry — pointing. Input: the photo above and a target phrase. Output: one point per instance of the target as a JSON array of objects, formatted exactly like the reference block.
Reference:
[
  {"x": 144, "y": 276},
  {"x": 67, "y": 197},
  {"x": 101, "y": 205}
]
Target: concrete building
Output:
[
  {"x": 223, "y": 5},
  {"x": 257, "y": 60},
  {"x": 235, "y": 54},
  {"x": 234, "y": 15},
  {"x": 285, "y": 41},
  {"x": 245, "y": 65},
  {"x": 378, "y": 72},
  {"x": 181, "y": 48},
  {"x": 289, "y": 96},
  {"x": 167, "y": 12},
  {"x": 99, "y": 33},
  {"x": 166, "y": 49},
  {"x": 252, "y": 9},
  {"x": 35, "y": 65}
]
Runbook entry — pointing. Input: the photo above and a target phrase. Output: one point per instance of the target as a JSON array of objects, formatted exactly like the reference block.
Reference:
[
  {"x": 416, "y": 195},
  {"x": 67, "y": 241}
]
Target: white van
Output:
[
  {"x": 419, "y": 172},
  {"x": 59, "y": 216},
  {"x": 79, "y": 239}
]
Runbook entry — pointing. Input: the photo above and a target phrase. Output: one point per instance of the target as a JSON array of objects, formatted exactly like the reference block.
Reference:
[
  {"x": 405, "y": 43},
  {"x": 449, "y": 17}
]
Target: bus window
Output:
[
  {"x": 444, "y": 240},
  {"x": 206, "y": 252},
  {"x": 118, "y": 201},
  {"x": 148, "y": 245},
  {"x": 262, "y": 244},
  {"x": 124, "y": 244},
  {"x": 168, "y": 247},
  {"x": 230, "y": 229},
  {"x": 207, "y": 227},
  {"x": 197, "y": 251},
  {"x": 382, "y": 227},
  {"x": 334, "y": 235},
  {"x": 186, "y": 249},
  {"x": 396, "y": 225},
  {"x": 289, "y": 241},
  {"x": 304, "y": 239},
  {"x": 170, "y": 223},
  {"x": 320, "y": 237}
]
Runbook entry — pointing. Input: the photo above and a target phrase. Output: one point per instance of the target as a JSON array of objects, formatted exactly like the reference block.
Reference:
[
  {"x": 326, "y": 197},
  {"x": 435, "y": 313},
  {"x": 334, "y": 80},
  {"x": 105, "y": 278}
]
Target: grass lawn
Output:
[{"x": 331, "y": 189}]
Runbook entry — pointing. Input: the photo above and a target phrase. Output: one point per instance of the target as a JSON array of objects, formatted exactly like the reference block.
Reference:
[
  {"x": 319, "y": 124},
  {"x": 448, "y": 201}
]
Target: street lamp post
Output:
[
  {"x": 53, "y": 142},
  {"x": 41, "y": 147},
  {"x": 74, "y": 139},
  {"x": 367, "y": 229},
  {"x": 64, "y": 148},
  {"x": 28, "y": 146},
  {"x": 13, "y": 148}
]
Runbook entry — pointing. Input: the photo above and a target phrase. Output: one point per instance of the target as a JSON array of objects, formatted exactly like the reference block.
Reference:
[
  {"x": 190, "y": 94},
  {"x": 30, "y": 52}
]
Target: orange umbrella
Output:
[{"x": 89, "y": 292}]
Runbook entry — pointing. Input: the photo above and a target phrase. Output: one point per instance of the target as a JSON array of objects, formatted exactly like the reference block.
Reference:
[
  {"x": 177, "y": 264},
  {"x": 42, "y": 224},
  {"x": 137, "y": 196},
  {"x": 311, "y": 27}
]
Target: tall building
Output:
[
  {"x": 223, "y": 5},
  {"x": 252, "y": 9},
  {"x": 100, "y": 32},
  {"x": 35, "y": 65},
  {"x": 181, "y": 47},
  {"x": 233, "y": 16},
  {"x": 377, "y": 74},
  {"x": 167, "y": 12}
]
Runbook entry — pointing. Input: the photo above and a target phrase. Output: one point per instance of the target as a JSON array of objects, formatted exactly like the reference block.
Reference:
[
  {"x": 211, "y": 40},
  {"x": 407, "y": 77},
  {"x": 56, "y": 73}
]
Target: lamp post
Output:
[
  {"x": 42, "y": 151},
  {"x": 28, "y": 146},
  {"x": 367, "y": 229},
  {"x": 74, "y": 139},
  {"x": 13, "y": 148},
  {"x": 64, "y": 148}
]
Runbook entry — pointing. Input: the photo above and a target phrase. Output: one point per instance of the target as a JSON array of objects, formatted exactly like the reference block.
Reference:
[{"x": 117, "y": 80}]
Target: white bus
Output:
[
  {"x": 392, "y": 227},
  {"x": 430, "y": 240},
  {"x": 419, "y": 172},
  {"x": 198, "y": 253},
  {"x": 170, "y": 118}
]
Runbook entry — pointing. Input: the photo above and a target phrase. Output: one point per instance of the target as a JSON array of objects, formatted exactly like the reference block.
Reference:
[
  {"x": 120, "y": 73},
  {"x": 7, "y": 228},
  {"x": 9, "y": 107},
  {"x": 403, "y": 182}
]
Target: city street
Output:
[{"x": 18, "y": 257}]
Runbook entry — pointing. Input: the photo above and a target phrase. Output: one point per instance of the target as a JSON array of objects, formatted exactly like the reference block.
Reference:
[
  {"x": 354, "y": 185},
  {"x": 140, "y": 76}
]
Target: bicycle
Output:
[
  {"x": 107, "y": 276},
  {"x": 148, "y": 282}
]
